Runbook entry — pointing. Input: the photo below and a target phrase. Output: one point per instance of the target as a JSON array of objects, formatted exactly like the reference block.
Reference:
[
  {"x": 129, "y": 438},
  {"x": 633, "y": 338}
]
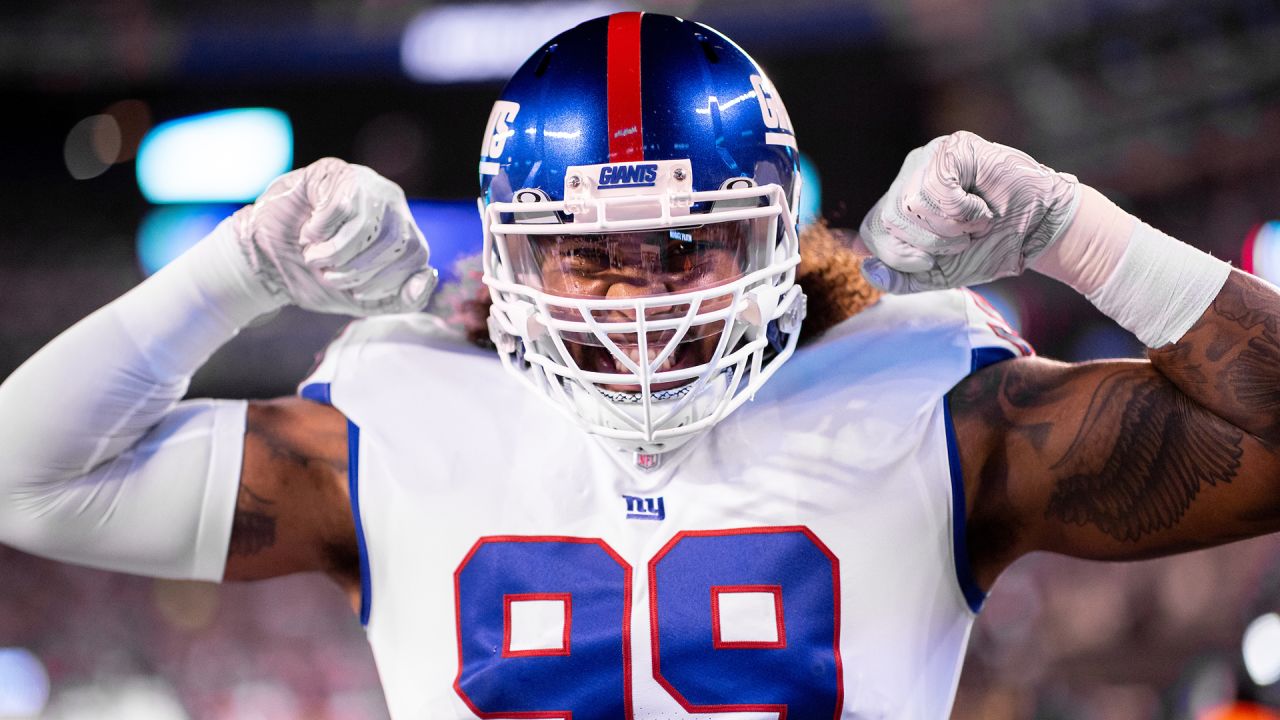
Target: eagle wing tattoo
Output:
[{"x": 1140, "y": 457}]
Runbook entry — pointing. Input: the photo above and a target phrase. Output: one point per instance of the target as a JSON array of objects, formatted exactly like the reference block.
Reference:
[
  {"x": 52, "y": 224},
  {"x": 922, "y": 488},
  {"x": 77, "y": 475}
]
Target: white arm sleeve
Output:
[{"x": 102, "y": 465}]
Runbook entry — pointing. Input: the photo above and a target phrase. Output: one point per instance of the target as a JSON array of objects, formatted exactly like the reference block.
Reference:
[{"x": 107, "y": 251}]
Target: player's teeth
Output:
[{"x": 634, "y": 354}]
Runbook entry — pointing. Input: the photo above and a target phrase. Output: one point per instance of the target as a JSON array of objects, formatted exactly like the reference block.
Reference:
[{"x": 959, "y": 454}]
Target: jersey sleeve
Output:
[
  {"x": 352, "y": 357},
  {"x": 316, "y": 386},
  {"x": 991, "y": 338}
]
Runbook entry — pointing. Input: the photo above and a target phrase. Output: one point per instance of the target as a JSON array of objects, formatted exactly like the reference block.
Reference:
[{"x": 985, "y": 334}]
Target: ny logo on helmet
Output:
[
  {"x": 495, "y": 136},
  {"x": 773, "y": 112}
]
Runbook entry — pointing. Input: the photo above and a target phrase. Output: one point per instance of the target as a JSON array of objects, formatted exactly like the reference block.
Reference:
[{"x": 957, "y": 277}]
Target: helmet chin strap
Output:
[{"x": 648, "y": 455}]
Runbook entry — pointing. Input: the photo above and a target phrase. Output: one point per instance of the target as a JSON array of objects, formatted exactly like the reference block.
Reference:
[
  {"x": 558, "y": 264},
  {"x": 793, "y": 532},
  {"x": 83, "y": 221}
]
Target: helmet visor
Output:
[
  {"x": 641, "y": 264},
  {"x": 645, "y": 267}
]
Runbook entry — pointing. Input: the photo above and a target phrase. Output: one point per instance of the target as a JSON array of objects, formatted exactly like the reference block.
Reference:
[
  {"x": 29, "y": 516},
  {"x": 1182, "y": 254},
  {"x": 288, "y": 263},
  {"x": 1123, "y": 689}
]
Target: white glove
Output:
[
  {"x": 337, "y": 238},
  {"x": 964, "y": 211}
]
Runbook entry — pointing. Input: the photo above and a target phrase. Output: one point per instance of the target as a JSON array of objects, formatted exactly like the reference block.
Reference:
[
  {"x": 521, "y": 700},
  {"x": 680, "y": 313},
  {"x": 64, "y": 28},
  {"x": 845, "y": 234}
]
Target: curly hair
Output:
[{"x": 830, "y": 273}]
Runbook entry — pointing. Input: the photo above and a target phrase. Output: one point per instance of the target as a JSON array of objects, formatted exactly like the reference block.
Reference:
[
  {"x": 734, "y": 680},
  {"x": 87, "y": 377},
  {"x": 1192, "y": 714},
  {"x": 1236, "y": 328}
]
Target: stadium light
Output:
[
  {"x": 452, "y": 229},
  {"x": 486, "y": 41},
  {"x": 224, "y": 156},
  {"x": 167, "y": 232},
  {"x": 810, "y": 191},
  {"x": 1261, "y": 253},
  {"x": 1262, "y": 650},
  {"x": 24, "y": 684}
]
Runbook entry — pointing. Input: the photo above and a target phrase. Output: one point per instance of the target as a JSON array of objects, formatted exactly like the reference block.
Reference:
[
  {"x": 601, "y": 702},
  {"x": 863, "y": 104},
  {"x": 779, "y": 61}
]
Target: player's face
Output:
[{"x": 645, "y": 264}]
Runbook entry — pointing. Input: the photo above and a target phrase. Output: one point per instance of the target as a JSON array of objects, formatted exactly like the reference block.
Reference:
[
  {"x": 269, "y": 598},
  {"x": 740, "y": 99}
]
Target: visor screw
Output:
[
  {"x": 679, "y": 174},
  {"x": 575, "y": 181}
]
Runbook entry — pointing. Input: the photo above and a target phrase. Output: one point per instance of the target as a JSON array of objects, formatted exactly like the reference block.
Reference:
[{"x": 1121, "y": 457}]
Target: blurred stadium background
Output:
[{"x": 1172, "y": 107}]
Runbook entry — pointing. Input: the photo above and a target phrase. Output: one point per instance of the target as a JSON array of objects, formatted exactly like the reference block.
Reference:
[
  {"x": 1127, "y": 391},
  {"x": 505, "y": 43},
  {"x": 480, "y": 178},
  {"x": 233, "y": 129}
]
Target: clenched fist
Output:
[
  {"x": 337, "y": 238},
  {"x": 964, "y": 211}
]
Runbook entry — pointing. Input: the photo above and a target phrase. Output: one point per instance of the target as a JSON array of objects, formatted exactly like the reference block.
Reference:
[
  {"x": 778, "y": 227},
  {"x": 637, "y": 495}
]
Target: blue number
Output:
[
  {"x": 590, "y": 677},
  {"x": 798, "y": 674},
  {"x": 795, "y": 672}
]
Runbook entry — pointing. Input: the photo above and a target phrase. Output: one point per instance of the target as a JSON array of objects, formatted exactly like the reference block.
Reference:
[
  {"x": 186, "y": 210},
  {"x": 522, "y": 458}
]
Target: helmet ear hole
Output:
[
  {"x": 735, "y": 183},
  {"x": 531, "y": 195}
]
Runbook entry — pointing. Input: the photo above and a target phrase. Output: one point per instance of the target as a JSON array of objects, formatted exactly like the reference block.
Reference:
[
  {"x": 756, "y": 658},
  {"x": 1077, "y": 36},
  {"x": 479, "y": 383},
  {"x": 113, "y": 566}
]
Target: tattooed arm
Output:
[
  {"x": 1127, "y": 460},
  {"x": 293, "y": 513},
  {"x": 1113, "y": 460},
  {"x": 1229, "y": 362}
]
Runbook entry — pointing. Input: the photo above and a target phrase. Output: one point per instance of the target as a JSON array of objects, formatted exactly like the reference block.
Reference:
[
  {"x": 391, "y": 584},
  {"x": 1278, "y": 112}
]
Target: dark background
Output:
[{"x": 1171, "y": 108}]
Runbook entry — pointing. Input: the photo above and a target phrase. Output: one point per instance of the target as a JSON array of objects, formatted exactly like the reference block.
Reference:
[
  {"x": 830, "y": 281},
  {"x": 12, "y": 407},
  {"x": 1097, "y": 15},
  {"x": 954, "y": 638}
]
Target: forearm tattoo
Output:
[{"x": 1229, "y": 362}]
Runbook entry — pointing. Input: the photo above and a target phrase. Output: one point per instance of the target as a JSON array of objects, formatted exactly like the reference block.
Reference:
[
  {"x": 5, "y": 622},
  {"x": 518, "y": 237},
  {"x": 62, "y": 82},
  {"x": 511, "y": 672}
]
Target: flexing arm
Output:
[
  {"x": 1115, "y": 460},
  {"x": 103, "y": 465},
  {"x": 1135, "y": 459},
  {"x": 1107, "y": 460}
]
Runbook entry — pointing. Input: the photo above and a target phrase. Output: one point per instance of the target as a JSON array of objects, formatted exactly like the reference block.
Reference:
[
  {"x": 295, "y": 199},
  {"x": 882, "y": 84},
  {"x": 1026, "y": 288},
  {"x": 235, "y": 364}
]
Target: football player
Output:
[{"x": 651, "y": 504}]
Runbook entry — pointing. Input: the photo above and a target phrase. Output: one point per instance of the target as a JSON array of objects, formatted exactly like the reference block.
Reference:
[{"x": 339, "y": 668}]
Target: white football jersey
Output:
[{"x": 805, "y": 558}]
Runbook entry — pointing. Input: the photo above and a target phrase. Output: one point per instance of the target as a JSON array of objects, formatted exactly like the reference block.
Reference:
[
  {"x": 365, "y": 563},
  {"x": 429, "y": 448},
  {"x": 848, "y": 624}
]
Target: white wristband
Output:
[{"x": 1160, "y": 287}]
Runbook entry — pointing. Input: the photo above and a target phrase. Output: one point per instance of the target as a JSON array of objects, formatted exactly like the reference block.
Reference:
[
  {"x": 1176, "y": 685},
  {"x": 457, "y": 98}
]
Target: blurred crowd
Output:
[{"x": 128, "y": 648}]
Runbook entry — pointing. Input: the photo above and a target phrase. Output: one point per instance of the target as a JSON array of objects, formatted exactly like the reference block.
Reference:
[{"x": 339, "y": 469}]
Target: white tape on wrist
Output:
[{"x": 1161, "y": 287}]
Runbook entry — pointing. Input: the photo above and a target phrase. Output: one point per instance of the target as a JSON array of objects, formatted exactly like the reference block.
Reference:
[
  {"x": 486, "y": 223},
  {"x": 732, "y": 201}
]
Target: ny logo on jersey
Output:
[{"x": 639, "y": 508}]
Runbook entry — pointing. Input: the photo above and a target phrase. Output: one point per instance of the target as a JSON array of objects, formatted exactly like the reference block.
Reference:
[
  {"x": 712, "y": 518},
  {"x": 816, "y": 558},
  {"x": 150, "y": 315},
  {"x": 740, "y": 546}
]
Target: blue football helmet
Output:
[{"x": 638, "y": 177}]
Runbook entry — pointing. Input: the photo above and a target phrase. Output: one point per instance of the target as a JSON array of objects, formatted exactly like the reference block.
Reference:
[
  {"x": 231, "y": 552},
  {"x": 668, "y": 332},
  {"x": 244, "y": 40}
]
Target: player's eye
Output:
[
  {"x": 584, "y": 254},
  {"x": 588, "y": 255},
  {"x": 684, "y": 257}
]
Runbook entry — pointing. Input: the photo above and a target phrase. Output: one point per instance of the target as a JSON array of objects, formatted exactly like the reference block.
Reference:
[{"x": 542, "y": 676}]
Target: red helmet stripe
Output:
[{"x": 626, "y": 129}]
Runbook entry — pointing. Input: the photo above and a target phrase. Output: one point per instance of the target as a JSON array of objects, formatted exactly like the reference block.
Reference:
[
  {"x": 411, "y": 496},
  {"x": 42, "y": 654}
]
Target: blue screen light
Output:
[
  {"x": 24, "y": 683},
  {"x": 810, "y": 192},
  {"x": 167, "y": 232},
  {"x": 224, "y": 156},
  {"x": 452, "y": 229}
]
